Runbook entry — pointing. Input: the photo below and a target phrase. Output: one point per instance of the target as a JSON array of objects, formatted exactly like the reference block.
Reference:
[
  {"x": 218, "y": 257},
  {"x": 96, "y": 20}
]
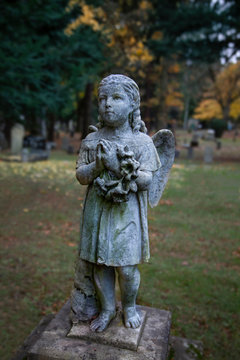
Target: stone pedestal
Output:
[{"x": 61, "y": 340}]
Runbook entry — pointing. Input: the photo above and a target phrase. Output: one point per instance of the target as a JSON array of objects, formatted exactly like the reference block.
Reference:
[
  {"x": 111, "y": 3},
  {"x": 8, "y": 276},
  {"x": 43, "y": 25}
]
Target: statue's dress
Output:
[{"x": 116, "y": 234}]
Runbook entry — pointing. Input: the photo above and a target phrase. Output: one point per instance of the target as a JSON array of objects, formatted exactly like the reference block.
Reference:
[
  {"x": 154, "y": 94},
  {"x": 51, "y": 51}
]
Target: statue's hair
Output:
[{"x": 132, "y": 91}]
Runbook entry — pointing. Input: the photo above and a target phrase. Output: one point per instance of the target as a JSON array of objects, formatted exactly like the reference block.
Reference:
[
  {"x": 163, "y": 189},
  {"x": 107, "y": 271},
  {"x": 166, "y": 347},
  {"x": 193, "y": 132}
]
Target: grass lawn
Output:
[{"x": 194, "y": 232}]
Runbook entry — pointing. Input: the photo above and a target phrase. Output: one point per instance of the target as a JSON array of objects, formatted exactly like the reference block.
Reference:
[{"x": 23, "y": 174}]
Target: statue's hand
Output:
[
  {"x": 109, "y": 156},
  {"x": 99, "y": 162}
]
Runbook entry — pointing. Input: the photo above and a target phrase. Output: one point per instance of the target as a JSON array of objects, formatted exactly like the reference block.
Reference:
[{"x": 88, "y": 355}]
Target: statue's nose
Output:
[{"x": 108, "y": 102}]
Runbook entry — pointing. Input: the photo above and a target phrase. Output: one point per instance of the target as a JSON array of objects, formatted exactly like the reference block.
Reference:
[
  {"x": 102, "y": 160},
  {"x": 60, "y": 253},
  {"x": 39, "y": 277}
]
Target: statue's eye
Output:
[{"x": 116, "y": 97}]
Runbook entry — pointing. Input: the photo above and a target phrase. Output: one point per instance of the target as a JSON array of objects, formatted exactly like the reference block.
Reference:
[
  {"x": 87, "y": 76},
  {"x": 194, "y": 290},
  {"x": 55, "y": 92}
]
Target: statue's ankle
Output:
[
  {"x": 109, "y": 311},
  {"x": 129, "y": 309}
]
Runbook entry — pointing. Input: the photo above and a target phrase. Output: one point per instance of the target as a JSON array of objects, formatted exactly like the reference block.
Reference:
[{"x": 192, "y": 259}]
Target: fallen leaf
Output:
[
  {"x": 166, "y": 202},
  {"x": 71, "y": 244},
  {"x": 236, "y": 252}
]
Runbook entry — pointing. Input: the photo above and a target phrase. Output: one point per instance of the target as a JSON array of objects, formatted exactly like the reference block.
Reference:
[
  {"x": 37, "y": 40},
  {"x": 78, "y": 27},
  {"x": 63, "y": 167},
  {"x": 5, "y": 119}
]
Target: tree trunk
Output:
[
  {"x": 186, "y": 112},
  {"x": 87, "y": 109},
  {"x": 8, "y": 124},
  {"x": 148, "y": 96},
  {"x": 51, "y": 123},
  {"x": 163, "y": 117},
  {"x": 79, "y": 115},
  {"x": 226, "y": 111},
  {"x": 186, "y": 98}
]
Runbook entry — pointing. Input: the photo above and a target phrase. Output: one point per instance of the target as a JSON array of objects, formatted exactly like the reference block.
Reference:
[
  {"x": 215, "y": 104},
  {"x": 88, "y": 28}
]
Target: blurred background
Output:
[{"x": 185, "y": 57}]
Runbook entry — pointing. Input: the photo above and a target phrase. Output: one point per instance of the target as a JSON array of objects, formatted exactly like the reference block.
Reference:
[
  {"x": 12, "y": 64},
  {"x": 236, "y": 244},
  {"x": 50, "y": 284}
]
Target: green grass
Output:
[{"x": 194, "y": 233}]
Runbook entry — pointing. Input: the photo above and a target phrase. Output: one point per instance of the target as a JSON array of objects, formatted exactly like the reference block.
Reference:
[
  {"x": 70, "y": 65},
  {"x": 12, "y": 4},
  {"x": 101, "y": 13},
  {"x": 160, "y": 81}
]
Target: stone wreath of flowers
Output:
[{"x": 117, "y": 190}]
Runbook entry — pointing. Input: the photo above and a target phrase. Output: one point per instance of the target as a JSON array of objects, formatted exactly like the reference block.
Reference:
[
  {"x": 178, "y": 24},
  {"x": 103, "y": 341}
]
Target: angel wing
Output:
[{"x": 165, "y": 144}]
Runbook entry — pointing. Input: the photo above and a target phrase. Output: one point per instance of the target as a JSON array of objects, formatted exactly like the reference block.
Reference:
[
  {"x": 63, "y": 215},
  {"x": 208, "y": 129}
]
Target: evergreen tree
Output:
[{"x": 40, "y": 63}]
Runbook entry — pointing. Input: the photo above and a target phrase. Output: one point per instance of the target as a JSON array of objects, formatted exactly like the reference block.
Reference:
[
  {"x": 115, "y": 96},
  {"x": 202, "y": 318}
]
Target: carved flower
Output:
[{"x": 117, "y": 190}]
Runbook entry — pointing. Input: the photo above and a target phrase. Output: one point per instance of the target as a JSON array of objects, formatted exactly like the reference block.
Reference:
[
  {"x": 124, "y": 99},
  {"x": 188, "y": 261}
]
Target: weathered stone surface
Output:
[
  {"x": 54, "y": 343},
  {"x": 17, "y": 134},
  {"x": 32, "y": 338},
  {"x": 124, "y": 170},
  {"x": 116, "y": 334},
  {"x": 186, "y": 349},
  {"x": 208, "y": 154}
]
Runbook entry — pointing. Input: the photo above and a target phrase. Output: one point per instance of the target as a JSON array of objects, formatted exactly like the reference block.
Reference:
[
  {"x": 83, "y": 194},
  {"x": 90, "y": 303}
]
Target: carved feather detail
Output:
[{"x": 165, "y": 144}]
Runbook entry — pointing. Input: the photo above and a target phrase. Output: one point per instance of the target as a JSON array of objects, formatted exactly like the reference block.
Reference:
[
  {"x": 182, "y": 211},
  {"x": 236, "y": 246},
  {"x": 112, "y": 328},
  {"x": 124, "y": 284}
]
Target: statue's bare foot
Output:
[
  {"x": 131, "y": 317},
  {"x": 101, "y": 322}
]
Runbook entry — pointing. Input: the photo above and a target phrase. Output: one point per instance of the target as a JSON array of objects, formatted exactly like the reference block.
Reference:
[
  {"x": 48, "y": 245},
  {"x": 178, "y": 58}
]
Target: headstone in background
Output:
[
  {"x": 218, "y": 144},
  {"x": 35, "y": 149},
  {"x": 50, "y": 145},
  {"x": 57, "y": 128},
  {"x": 177, "y": 154},
  {"x": 34, "y": 142},
  {"x": 17, "y": 134},
  {"x": 25, "y": 156},
  {"x": 3, "y": 141},
  {"x": 190, "y": 152},
  {"x": 208, "y": 154},
  {"x": 194, "y": 142},
  {"x": 71, "y": 127},
  {"x": 65, "y": 143},
  {"x": 43, "y": 128},
  {"x": 70, "y": 150},
  {"x": 210, "y": 135}
]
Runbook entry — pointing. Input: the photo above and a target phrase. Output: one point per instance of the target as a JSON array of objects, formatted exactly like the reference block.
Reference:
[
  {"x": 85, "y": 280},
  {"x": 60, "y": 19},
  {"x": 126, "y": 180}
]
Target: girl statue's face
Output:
[{"x": 114, "y": 105}]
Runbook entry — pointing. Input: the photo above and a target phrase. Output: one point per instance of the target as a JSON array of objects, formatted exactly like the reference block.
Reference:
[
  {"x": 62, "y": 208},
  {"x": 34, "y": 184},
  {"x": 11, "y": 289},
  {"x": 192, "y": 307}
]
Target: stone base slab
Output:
[
  {"x": 116, "y": 334},
  {"x": 152, "y": 342}
]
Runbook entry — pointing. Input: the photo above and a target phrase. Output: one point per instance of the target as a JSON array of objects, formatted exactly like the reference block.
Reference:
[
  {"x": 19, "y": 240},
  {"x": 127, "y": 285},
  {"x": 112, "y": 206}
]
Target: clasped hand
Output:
[{"x": 107, "y": 155}]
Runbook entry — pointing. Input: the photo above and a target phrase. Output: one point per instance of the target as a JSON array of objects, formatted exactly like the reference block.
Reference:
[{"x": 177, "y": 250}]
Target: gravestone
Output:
[
  {"x": 208, "y": 154},
  {"x": 218, "y": 145},
  {"x": 190, "y": 152},
  {"x": 43, "y": 128},
  {"x": 210, "y": 135},
  {"x": 57, "y": 128},
  {"x": 65, "y": 143},
  {"x": 17, "y": 134},
  {"x": 35, "y": 149},
  {"x": 71, "y": 127},
  {"x": 3, "y": 141}
]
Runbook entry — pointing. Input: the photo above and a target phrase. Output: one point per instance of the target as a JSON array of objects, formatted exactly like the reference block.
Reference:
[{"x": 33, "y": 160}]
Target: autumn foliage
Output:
[
  {"x": 222, "y": 99},
  {"x": 53, "y": 55}
]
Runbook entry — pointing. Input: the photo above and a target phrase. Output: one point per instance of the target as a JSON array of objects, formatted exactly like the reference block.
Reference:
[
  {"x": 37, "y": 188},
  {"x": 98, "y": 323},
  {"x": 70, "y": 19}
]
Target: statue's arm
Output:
[
  {"x": 144, "y": 179},
  {"x": 86, "y": 173}
]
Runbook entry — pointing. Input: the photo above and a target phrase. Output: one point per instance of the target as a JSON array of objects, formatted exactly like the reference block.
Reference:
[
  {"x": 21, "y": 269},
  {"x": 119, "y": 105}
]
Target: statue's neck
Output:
[{"x": 122, "y": 130}]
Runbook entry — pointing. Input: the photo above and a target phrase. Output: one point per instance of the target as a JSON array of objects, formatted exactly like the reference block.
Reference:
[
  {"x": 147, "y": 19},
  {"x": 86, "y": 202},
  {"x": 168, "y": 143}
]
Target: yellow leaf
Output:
[
  {"x": 235, "y": 109},
  {"x": 174, "y": 69},
  {"x": 208, "y": 109},
  {"x": 87, "y": 18},
  {"x": 144, "y": 5},
  {"x": 157, "y": 35}
]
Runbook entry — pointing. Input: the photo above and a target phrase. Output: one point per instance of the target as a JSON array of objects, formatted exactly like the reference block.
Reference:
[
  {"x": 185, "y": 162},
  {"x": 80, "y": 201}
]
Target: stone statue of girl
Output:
[{"x": 122, "y": 168}]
